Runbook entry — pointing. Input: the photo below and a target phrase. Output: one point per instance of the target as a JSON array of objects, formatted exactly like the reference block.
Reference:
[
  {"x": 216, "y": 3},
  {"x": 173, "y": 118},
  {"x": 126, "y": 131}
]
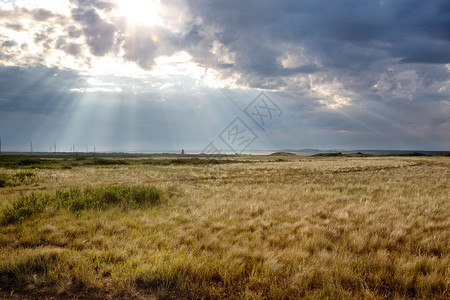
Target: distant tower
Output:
[
  {"x": 31, "y": 146},
  {"x": 55, "y": 147},
  {"x": 182, "y": 151}
]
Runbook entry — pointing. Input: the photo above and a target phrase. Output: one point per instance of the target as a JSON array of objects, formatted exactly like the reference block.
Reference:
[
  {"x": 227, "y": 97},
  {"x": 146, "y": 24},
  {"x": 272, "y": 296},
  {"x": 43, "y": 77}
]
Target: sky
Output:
[{"x": 224, "y": 76}]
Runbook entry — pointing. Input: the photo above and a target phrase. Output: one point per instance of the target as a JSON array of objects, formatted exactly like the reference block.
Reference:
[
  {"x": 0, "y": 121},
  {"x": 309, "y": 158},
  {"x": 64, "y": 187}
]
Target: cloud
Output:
[
  {"x": 41, "y": 14},
  {"x": 264, "y": 44},
  {"x": 14, "y": 26},
  {"x": 327, "y": 36},
  {"x": 9, "y": 44},
  {"x": 146, "y": 44},
  {"x": 99, "y": 33},
  {"x": 368, "y": 68}
]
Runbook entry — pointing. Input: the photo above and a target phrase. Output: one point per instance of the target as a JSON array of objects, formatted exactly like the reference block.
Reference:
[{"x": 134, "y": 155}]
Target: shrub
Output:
[
  {"x": 70, "y": 199},
  {"x": 24, "y": 208},
  {"x": 3, "y": 180},
  {"x": 105, "y": 162},
  {"x": 28, "y": 162},
  {"x": 198, "y": 161},
  {"x": 332, "y": 154},
  {"x": 444, "y": 154},
  {"x": 146, "y": 195}
]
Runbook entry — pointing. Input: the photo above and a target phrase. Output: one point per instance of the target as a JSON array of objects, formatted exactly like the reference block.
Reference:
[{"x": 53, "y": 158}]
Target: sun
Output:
[{"x": 140, "y": 12}]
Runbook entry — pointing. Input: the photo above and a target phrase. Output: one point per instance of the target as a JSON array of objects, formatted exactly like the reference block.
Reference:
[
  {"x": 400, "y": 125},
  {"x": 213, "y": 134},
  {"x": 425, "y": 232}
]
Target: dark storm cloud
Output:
[
  {"x": 329, "y": 34},
  {"x": 335, "y": 34}
]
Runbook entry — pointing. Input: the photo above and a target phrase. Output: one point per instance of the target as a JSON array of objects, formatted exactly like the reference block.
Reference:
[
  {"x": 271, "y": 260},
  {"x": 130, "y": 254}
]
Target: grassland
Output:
[{"x": 228, "y": 227}]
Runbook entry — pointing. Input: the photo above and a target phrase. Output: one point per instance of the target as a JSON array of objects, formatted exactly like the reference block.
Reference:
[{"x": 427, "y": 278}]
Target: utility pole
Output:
[
  {"x": 31, "y": 146},
  {"x": 55, "y": 147}
]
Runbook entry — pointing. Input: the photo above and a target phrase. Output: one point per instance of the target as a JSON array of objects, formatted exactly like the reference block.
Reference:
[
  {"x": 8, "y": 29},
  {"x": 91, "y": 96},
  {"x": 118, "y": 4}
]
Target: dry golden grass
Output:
[{"x": 306, "y": 227}]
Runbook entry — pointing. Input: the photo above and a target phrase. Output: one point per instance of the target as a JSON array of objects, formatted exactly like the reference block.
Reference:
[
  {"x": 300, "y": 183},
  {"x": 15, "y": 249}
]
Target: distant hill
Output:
[
  {"x": 282, "y": 154},
  {"x": 335, "y": 152}
]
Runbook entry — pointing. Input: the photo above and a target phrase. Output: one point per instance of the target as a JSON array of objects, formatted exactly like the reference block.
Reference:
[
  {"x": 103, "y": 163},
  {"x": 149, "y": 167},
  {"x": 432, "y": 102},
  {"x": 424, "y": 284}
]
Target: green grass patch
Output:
[
  {"x": 71, "y": 161},
  {"x": 20, "y": 162},
  {"x": 76, "y": 199}
]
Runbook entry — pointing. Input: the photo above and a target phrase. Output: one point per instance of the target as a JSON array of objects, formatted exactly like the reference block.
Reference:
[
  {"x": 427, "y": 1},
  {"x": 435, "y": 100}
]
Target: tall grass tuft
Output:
[
  {"x": 28, "y": 265},
  {"x": 15, "y": 179}
]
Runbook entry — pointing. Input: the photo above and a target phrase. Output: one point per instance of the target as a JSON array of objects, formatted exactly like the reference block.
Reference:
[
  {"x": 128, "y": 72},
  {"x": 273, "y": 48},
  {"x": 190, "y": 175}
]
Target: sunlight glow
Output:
[
  {"x": 331, "y": 94},
  {"x": 140, "y": 12},
  {"x": 109, "y": 65},
  {"x": 96, "y": 90}
]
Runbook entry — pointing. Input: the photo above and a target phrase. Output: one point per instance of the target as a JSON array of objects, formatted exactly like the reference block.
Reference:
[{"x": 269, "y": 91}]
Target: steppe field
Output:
[{"x": 238, "y": 227}]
